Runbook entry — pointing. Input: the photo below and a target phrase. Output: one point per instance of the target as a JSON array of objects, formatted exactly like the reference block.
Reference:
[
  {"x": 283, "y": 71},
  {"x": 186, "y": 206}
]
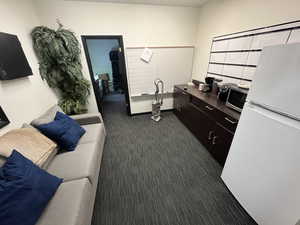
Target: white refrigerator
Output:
[{"x": 262, "y": 169}]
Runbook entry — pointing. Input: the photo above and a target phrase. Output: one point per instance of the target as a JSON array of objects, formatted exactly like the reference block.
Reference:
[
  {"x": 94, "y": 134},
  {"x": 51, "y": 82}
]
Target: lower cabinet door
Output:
[
  {"x": 177, "y": 102},
  {"x": 201, "y": 125},
  {"x": 181, "y": 101},
  {"x": 221, "y": 143}
]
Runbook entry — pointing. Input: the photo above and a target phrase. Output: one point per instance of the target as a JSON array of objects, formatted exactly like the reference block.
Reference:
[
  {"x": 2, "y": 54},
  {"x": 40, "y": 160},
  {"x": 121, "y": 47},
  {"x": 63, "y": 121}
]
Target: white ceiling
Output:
[{"x": 189, "y": 3}]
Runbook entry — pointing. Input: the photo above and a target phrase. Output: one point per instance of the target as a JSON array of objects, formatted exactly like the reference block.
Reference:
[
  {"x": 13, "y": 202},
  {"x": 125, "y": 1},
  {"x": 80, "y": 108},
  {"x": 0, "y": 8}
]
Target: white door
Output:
[
  {"x": 276, "y": 83},
  {"x": 263, "y": 166}
]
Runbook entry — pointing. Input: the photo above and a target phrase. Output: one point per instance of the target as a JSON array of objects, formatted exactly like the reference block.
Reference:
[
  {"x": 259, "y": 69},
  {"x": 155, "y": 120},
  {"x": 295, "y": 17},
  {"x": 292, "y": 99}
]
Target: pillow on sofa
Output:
[
  {"x": 65, "y": 131},
  {"x": 29, "y": 142},
  {"x": 47, "y": 117},
  {"x": 25, "y": 191}
]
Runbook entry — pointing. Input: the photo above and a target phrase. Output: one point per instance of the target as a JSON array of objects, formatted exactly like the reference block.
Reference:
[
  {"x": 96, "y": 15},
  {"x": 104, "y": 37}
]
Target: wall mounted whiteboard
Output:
[
  {"x": 173, "y": 65},
  {"x": 234, "y": 57}
]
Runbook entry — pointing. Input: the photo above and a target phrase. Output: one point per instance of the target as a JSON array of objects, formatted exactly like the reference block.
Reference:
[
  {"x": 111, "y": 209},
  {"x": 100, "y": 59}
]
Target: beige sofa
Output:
[{"x": 73, "y": 202}]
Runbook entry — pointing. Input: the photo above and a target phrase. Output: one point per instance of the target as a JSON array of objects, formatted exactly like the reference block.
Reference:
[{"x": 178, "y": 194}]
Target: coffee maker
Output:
[
  {"x": 224, "y": 91},
  {"x": 209, "y": 83}
]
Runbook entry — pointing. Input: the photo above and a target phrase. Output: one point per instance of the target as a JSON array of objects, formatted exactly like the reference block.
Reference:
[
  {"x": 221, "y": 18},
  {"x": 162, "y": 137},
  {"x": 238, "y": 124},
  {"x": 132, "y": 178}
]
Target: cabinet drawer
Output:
[
  {"x": 203, "y": 106},
  {"x": 226, "y": 121},
  {"x": 222, "y": 118}
]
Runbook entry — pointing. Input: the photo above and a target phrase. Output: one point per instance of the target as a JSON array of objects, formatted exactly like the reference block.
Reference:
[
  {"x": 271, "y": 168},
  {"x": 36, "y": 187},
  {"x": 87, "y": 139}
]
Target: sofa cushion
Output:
[
  {"x": 70, "y": 205},
  {"x": 93, "y": 132},
  {"x": 65, "y": 131},
  {"x": 25, "y": 190},
  {"x": 87, "y": 115},
  {"x": 84, "y": 162},
  {"x": 49, "y": 159},
  {"x": 47, "y": 117}
]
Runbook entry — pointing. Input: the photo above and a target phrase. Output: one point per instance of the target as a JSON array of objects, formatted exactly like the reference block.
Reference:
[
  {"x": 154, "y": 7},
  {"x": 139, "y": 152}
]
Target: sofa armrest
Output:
[{"x": 88, "y": 118}]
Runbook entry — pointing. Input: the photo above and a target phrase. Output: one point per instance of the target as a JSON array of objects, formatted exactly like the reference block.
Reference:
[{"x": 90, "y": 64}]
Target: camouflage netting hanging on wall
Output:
[{"x": 59, "y": 59}]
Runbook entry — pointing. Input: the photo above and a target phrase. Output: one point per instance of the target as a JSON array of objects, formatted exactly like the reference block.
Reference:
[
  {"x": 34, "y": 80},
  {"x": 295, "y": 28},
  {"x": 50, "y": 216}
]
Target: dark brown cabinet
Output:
[
  {"x": 220, "y": 144},
  {"x": 201, "y": 125},
  {"x": 207, "y": 118},
  {"x": 181, "y": 104}
]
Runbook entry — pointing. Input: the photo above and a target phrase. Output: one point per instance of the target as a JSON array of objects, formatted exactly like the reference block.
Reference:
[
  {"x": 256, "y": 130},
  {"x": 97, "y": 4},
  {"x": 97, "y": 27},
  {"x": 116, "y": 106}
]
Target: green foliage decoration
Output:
[{"x": 58, "y": 53}]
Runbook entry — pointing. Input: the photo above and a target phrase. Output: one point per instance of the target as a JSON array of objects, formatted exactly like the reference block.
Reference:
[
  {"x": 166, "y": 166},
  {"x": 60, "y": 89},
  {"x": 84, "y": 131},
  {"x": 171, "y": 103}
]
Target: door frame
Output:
[{"x": 84, "y": 39}]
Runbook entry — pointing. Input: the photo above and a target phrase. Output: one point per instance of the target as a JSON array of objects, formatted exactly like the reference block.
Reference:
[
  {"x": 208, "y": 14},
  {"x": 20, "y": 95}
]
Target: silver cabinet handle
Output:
[
  {"x": 210, "y": 133},
  {"x": 214, "y": 140},
  {"x": 230, "y": 121},
  {"x": 209, "y": 108},
  {"x": 184, "y": 93}
]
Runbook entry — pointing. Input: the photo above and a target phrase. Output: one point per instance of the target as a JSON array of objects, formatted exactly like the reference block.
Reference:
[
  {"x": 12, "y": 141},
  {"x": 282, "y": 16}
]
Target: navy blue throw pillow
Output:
[
  {"x": 65, "y": 131},
  {"x": 25, "y": 190}
]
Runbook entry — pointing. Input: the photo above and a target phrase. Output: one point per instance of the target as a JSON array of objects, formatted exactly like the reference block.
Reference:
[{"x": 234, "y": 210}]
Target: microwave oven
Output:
[{"x": 236, "y": 98}]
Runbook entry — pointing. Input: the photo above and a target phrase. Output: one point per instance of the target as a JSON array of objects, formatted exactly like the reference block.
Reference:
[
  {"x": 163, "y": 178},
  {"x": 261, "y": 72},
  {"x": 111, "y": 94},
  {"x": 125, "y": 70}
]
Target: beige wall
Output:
[
  {"x": 22, "y": 99},
  {"x": 218, "y": 17},
  {"x": 140, "y": 25}
]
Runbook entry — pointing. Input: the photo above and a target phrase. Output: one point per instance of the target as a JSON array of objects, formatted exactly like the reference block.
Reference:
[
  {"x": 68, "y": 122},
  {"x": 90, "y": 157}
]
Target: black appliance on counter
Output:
[
  {"x": 236, "y": 98},
  {"x": 209, "y": 83},
  {"x": 224, "y": 91},
  {"x": 233, "y": 96}
]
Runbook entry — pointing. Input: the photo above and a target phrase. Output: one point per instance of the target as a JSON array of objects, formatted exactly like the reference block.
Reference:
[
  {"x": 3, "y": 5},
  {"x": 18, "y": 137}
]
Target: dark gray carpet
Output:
[{"x": 159, "y": 174}]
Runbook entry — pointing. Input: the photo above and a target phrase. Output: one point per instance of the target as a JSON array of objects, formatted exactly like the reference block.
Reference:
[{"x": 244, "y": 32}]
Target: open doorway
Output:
[{"x": 106, "y": 62}]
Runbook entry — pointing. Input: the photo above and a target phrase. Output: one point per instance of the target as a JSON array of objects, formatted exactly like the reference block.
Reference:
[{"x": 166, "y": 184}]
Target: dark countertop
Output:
[{"x": 210, "y": 99}]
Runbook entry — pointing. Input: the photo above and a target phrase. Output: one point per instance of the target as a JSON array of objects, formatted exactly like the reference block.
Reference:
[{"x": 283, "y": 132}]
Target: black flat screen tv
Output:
[
  {"x": 3, "y": 118},
  {"x": 13, "y": 62}
]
